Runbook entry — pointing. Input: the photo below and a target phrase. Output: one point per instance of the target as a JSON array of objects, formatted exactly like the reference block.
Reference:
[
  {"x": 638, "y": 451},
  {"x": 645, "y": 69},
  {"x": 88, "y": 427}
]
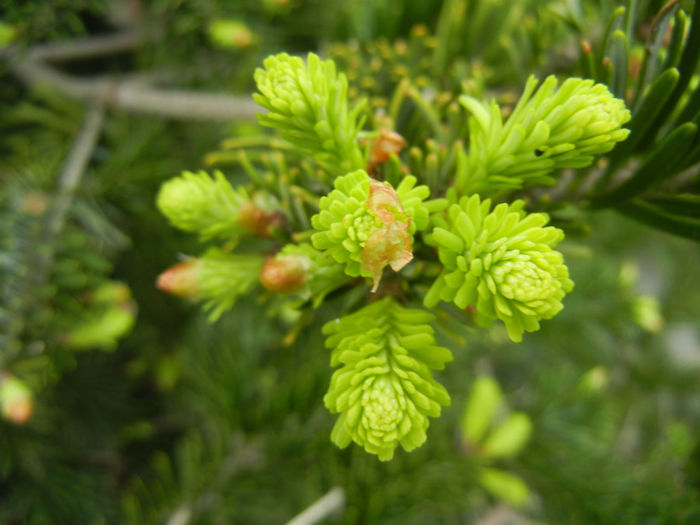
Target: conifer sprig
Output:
[
  {"x": 301, "y": 270},
  {"x": 366, "y": 224},
  {"x": 384, "y": 390},
  {"x": 307, "y": 103},
  {"x": 502, "y": 262},
  {"x": 217, "y": 278},
  {"x": 549, "y": 129},
  {"x": 210, "y": 206}
]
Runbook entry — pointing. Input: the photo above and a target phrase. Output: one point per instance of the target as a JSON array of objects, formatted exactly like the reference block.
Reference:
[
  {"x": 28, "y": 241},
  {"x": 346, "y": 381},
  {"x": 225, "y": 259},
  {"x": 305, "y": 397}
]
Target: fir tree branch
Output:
[
  {"x": 55, "y": 218},
  {"x": 74, "y": 168},
  {"x": 82, "y": 48},
  {"x": 242, "y": 455},
  {"x": 128, "y": 94}
]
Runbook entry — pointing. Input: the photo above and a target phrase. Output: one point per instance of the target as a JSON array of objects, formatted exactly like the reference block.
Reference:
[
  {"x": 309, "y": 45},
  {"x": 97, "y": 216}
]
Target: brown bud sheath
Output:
[
  {"x": 391, "y": 244},
  {"x": 285, "y": 274},
  {"x": 387, "y": 143},
  {"x": 259, "y": 222},
  {"x": 182, "y": 279}
]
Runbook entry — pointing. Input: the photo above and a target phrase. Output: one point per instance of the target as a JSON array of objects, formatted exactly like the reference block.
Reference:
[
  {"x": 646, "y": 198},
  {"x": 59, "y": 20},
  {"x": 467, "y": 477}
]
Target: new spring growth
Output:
[
  {"x": 502, "y": 262},
  {"x": 490, "y": 437},
  {"x": 211, "y": 207},
  {"x": 487, "y": 433},
  {"x": 182, "y": 279},
  {"x": 217, "y": 278},
  {"x": 16, "y": 400},
  {"x": 303, "y": 272},
  {"x": 548, "y": 129},
  {"x": 109, "y": 314},
  {"x": 307, "y": 103},
  {"x": 384, "y": 391},
  {"x": 367, "y": 225},
  {"x": 285, "y": 273}
]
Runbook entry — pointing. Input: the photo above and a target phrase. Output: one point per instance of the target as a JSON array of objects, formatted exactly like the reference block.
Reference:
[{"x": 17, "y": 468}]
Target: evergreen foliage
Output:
[
  {"x": 307, "y": 101},
  {"x": 304, "y": 272},
  {"x": 217, "y": 278},
  {"x": 547, "y": 130},
  {"x": 432, "y": 149},
  {"x": 203, "y": 204},
  {"x": 502, "y": 262},
  {"x": 385, "y": 390},
  {"x": 366, "y": 225}
]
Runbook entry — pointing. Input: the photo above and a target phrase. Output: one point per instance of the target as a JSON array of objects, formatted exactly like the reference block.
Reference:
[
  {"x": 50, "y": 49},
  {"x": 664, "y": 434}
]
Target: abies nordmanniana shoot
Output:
[
  {"x": 384, "y": 390},
  {"x": 548, "y": 129},
  {"x": 307, "y": 103},
  {"x": 501, "y": 262},
  {"x": 339, "y": 230},
  {"x": 210, "y": 206},
  {"x": 366, "y": 224}
]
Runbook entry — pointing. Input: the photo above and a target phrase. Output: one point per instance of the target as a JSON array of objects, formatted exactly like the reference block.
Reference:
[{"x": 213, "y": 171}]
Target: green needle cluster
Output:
[
  {"x": 307, "y": 103},
  {"x": 218, "y": 278},
  {"x": 548, "y": 129},
  {"x": 200, "y": 203},
  {"x": 224, "y": 277},
  {"x": 501, "y": 262},
  {"x": 384, "y": 390},
  {"x": 366, "y": 224}
]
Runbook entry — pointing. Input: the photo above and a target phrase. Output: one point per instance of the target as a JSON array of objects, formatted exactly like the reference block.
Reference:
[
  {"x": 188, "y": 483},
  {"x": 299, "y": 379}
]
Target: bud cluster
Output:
[
  {"x": 385, "y": 390},
  {"x": 366, "y": 224},
  {"x": 548, "y": 129},
  {"x": 210, "y": 206},
  {"x": 501, "y": 262}
]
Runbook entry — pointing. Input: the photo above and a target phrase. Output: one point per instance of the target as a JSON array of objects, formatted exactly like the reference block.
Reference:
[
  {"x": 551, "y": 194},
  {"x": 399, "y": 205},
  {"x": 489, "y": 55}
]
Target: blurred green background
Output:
[{"x": 143, "y": 412}]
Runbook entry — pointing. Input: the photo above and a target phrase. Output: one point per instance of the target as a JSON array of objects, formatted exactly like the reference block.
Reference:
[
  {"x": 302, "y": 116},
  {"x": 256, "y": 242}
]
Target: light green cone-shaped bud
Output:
[
  {"x": 217, "y": 277},
  {"x": 307, "y": 102},
  {"x": 548, "y": 129},
  {"x": 210, "y": 206},
  {"x": 366, "y": 224},
  {"x": 231, "y": 34},
  {"x": 16, "y": 399},
  {"x": 384, "y": 390},
  {"x": 502, "y": 262}
]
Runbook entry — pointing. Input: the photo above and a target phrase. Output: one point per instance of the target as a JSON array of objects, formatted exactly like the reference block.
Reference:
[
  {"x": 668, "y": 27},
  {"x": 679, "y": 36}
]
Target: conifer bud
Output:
[
  {"x": 285, "y": 273},
  {"x": 367, "y": 225},
  {"x": 307, "y": 103},
  {"x": 548, "y": 129},
  {"x": 388, "y": 143},
  {"x": 384, "y": 391},
  {"x": 110, "y": 313},
  {"x": 501, "y": 262},
  {"x": 217, "y": 277},
  {"x": 210, "y": 206},
  {"x": 182, "y": 279},
  {"x": 16, "y": 400},
  {"x": 232, "y": 34},
  {"x": 258, "y": 221},
  {"x": 301, "y": 270}
]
